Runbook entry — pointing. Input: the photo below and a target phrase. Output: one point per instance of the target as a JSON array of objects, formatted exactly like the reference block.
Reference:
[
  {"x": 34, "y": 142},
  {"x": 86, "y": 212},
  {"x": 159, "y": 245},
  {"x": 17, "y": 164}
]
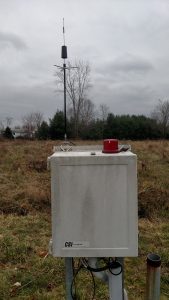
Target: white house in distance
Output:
[{"x": 19, "y": 133}]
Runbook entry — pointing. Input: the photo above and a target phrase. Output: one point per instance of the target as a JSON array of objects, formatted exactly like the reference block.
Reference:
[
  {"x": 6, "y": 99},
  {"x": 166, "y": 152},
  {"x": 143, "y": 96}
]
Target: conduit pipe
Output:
[
  {"x": 92, "y": 261},
  {"x": 153, "y": 277},
  {"x": 69, "y": 277},
  {"x": 115, "y": 283}
]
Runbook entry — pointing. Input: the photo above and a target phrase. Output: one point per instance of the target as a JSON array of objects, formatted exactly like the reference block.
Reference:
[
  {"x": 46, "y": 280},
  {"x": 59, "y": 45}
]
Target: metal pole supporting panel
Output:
[{"x": 115, "y": 281}]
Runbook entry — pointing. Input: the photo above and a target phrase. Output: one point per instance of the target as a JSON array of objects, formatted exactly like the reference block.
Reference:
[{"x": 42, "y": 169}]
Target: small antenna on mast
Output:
[{"x": 63, "y": 32}]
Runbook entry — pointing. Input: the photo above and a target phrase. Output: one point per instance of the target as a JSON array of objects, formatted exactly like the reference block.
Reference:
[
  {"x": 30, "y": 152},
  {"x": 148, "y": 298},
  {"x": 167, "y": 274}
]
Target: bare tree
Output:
[
  {"x": 8, "y": 121},
  {"x": 38, "y": 119},
  {"x": 87, "y": 113},
  {"x": 103, "y": 114},
  {"x": 2, "y": 127},
  {"x": 77, "y": 85},
  {"x": 31, "y": 122},
  {"x": 161, "y": 115},
  {"x": 5, "y": 123},
  {"x": 104, "y": 111}
]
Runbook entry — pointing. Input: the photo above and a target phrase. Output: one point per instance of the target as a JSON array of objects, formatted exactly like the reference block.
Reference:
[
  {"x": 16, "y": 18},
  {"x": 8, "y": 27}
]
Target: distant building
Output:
[{"x": 19, "y": 133}]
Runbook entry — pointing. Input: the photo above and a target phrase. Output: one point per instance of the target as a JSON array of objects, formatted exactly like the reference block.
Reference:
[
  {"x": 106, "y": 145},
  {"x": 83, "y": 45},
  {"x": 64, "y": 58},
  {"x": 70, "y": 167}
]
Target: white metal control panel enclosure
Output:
[{"x": 94, "y": 204}]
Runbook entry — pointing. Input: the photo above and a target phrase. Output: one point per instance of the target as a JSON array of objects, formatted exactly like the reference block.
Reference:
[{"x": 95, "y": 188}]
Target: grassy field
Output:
[{"x": 27, "y": 271}]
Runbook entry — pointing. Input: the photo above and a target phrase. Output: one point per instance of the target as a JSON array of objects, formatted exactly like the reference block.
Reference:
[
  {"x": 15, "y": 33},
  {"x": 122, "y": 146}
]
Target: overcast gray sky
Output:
[{"x": 126, "y": 43}]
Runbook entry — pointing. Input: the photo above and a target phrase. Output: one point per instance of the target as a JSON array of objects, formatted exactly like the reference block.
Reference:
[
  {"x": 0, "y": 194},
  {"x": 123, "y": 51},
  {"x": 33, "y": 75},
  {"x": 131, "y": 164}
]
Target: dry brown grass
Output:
[{"x": 25, "y": 181}]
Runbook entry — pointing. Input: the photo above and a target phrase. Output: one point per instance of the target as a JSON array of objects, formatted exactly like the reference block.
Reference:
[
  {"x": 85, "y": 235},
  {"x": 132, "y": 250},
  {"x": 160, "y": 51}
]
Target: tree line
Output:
[
  {"x": 84, "y": 122},
  {"x": 114, "y": 126},
  {"x": 106, "y": 125}
]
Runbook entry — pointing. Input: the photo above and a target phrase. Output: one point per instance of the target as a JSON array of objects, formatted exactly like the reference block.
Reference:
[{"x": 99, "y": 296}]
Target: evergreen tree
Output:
[
  {"x": 56, "y": 126},
  {"x": 43, "y": 131},
  {"x": 8, "y": 133}
]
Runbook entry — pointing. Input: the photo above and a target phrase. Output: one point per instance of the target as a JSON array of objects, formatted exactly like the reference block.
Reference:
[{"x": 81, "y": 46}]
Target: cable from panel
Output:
[{"x": 73, "y": 285}]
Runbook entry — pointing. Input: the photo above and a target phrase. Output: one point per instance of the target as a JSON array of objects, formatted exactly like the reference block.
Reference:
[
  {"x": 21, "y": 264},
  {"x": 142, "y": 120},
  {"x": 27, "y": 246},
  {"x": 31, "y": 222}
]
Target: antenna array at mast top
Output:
[{"x": 63, "y": 32}]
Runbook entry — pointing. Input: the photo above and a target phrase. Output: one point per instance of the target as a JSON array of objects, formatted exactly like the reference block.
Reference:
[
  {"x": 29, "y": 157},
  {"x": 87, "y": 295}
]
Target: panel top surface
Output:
[
  {"x": 91, "y": 153},
  {"x": 91, "y": 157}
]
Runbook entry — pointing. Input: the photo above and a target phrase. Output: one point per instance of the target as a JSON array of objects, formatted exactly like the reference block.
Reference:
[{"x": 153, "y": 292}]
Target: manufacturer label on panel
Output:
[{"x": 78, "y": 244}]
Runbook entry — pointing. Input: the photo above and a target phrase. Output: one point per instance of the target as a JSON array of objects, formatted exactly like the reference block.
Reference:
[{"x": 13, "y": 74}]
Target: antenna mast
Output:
[
  {"x": 63, "y": 68},
  {"x": 64, "y": 56}
]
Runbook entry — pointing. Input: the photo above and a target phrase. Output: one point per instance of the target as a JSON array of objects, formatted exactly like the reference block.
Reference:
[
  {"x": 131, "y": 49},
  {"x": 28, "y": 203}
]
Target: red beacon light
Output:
[{"x": 110, "y": 146}]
